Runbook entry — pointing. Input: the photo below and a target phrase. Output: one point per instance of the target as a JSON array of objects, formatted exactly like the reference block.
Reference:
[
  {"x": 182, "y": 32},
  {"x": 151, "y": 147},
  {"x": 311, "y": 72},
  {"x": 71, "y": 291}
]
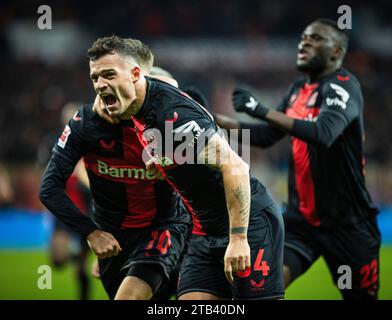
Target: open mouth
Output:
[{"x": 109, "y": 100}]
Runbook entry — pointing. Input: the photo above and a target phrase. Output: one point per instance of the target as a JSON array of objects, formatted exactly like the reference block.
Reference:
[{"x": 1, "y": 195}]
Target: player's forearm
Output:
[
  {"x": 63, "y": 208},
  {"x": 323, "y": 132},
  {"x": 237, "y": 191},
  {"x": 279, "y": 120},
  {"x": 235, "y": 173},
  {"x": 226, "y": 122},
  {"x": 52, "y": 194},
  {"x": 262, "y": 134}
]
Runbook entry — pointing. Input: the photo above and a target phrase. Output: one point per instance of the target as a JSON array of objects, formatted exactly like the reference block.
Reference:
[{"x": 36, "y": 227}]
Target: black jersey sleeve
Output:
[
  {"x": 186, "y": 128},
  {"x": 342, "y": 103},
  {"x": 65, "y": 155},
  {"x": 263, "y": 134}
]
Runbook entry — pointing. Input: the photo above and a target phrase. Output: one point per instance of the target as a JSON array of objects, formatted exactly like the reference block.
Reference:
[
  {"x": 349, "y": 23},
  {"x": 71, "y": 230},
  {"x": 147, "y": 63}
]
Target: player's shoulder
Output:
[
  {"x": 165, "y": 92},
  {"x": 175, "y": 107},
  {"x": 85, "y": 112},
  {"x": 169, "y": 98},
  {"x": 86, "y": 117},
  {"x": 342, "y": 78},
  {"x": 160, "y": 82},
  {"x": 79, "y": 115},
  {"x": 84, "y": 120}
]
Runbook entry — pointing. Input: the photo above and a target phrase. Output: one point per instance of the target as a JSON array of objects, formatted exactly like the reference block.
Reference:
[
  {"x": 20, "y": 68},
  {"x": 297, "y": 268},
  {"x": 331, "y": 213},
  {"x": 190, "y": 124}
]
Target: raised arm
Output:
[
  {"x": 341, "y": 104},
  {"x": 262, "y": 134}
]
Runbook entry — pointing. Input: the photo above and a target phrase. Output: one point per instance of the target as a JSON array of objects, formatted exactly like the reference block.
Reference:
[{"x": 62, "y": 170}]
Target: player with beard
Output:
[
  {"x": 330, "y": 212},
  {"x": 139, "y": 226},
  {"x": 236, "y": 246},
  {"x": 146, "y": 65}
]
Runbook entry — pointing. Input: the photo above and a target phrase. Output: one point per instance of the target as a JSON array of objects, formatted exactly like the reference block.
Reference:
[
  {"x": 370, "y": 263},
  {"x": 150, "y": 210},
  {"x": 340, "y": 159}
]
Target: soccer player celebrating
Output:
[
  {"x": 145, "y": 59},
  {"x": 139, "y": 225},
  {"x": 237, "y": 227},
  {"x": 330, "y": 212}
]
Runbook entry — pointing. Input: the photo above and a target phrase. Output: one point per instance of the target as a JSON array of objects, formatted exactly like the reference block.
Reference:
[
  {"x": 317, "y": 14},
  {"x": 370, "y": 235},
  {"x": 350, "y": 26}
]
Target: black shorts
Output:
[
  {"x": 160, "y": 247},
  {"x": 356, "y": 247},
  {"x": 203, "y": 267}
]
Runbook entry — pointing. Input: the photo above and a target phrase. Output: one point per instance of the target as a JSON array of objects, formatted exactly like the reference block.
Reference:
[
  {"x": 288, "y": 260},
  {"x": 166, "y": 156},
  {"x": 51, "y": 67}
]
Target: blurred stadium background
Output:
[{"x": 212, "y": 45}]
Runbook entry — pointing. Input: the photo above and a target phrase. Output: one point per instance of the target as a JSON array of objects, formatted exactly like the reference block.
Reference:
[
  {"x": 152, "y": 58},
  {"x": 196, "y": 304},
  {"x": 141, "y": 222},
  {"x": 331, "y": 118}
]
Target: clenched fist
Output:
[
  {"x": 244, "y": 101},
  {"x": 103, "y": 244},
  {"x": 237, "y": 256}
]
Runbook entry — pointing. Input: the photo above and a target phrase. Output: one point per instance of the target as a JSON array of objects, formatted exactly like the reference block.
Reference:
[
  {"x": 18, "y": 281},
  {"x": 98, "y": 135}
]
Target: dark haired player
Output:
[
  {"x": 139, "y": 227},
  {"x": 330, "y": 212},
  {"x": 237, "y": 227}
]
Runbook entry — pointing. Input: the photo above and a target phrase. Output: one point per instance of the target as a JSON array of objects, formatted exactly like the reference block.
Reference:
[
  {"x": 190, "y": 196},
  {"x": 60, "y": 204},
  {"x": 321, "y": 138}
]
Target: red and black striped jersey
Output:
[
  {"x": 125, "y": 194},
  {"x": 184, "y": 127},
  {"x": 326, "y": 167}
]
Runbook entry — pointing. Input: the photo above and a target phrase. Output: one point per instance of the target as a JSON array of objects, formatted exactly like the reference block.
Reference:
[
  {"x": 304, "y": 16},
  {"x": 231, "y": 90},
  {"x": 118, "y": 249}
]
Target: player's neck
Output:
[
  {"x": 315, "y": 77},
  {"x": 318, "y": 76}
]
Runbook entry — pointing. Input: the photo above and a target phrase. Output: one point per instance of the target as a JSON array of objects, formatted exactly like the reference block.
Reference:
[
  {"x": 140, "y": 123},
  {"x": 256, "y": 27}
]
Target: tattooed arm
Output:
[{"x": 235, "y": 172}]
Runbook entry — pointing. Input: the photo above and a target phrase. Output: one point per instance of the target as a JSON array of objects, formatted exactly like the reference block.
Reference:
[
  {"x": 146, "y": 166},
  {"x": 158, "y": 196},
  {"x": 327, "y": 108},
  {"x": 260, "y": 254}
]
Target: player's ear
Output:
[
  {"x": 135, "y": 74},
  {"x": 337, "y": 53}
]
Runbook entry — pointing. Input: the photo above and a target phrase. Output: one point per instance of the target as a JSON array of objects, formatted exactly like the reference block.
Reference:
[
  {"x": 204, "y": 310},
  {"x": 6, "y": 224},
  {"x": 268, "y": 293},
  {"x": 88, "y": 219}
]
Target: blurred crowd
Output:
[
  {"x": 33, "y": 91},
  {"x": 197, "y": 18}
]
